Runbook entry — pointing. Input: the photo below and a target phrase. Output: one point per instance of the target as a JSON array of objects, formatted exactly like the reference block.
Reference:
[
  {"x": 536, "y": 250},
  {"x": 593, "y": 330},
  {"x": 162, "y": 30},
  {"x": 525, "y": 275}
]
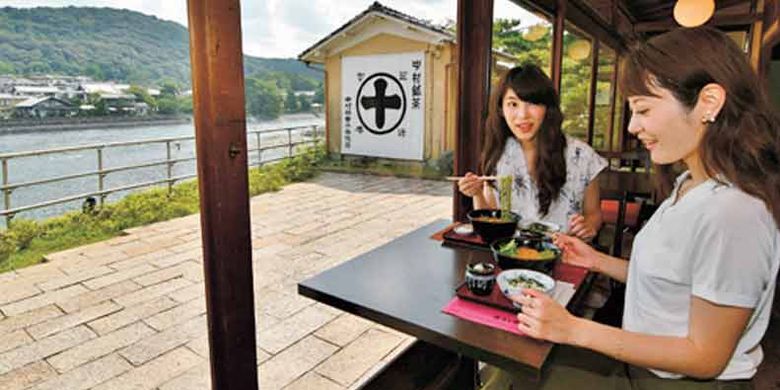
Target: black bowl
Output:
[
  {"x": 493, "y": 230},
  {"x": 511, "y": 262}
]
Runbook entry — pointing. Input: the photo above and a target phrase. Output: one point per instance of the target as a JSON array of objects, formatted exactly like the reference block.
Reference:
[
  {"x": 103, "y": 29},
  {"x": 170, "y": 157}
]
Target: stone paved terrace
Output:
[{"x": 129, "y": 313}]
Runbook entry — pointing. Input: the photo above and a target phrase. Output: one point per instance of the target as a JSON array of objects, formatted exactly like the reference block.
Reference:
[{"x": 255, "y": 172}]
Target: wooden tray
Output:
[{"x": 577, "y": 276}]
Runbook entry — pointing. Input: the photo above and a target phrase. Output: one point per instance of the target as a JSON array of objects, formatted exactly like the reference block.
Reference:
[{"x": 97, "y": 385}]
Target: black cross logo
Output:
[{"x": 380, "y": 102}]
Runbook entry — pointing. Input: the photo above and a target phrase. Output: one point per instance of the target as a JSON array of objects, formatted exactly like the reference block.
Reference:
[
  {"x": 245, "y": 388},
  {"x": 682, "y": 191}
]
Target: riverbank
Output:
[{"x": 60, "y": 124}]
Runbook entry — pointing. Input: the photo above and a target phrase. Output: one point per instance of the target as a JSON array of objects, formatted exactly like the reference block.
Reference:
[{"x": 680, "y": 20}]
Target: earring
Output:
[{"x": 708, "y": 118}]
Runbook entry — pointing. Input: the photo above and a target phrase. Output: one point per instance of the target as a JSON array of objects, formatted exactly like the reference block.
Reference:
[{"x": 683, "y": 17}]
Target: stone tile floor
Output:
[{"x": 129, "y": 313}]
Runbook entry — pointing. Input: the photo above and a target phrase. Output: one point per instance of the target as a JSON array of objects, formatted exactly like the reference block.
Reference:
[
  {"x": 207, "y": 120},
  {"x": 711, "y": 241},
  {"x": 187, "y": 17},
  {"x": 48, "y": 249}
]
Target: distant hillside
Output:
[{"x": 112, "y": 44}]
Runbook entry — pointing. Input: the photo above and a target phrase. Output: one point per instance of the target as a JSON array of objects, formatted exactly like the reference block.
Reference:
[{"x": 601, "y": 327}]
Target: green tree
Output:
[
  {"x": 291, "y": 102},
  {"x": 319, "y": 94},
  {"x": 169, "y": 88},
  {"x": 263, "y": 98},
  {"x": 142, "y": 95},
  {"x": 6, "y": 68},
  {"x": 167, "y": 106},
  {"x": 304, "y": 103}
]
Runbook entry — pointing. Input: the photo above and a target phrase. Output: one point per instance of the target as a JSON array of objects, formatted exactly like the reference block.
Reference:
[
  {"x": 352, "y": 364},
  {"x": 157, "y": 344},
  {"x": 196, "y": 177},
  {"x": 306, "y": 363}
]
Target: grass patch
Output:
[{"x": 26, "y": 242}]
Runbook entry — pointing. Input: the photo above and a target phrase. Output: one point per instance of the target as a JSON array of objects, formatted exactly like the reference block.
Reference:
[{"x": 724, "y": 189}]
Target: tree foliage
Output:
[
  {"x": 575, "y": 75},
  {"x": 114, "y": 44}
]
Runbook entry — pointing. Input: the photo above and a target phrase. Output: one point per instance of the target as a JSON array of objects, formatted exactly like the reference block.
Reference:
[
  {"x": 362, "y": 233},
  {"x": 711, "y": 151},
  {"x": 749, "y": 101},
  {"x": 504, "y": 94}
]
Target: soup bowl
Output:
[
  {"x": 536, "y": 254},
  {"x": 493, "y": 224}
]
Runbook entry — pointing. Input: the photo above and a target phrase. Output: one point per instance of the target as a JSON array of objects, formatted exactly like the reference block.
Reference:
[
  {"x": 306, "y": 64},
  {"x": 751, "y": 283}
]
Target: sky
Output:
[{"x": 285, "y": 28}]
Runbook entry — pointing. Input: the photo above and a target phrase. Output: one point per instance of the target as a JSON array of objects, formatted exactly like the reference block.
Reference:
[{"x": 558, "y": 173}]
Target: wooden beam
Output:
[
  {"x": 475, "y": 35},
  {"x": 559, "y": 24},
  {"x": 592, "y": 93},
  {"x": 220, "y": 138}
]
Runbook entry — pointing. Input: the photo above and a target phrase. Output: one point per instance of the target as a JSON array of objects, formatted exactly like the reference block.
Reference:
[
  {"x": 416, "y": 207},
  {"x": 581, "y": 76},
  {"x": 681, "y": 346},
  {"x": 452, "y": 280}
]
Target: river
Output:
[{"x": 35, "y": 168}]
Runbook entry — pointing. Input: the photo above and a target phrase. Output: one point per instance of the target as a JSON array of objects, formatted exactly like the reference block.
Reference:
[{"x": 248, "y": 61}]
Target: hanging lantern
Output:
[
  {"x": 535, "y": 33},
  {"x": 692, "y": 13},
  {"x": 579, "y": 50}
]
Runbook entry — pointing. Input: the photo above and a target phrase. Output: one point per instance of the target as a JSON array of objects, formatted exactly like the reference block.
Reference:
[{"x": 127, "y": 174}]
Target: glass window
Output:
[
  {"x": 519, "y": 36},
  {"x": 575, "y": 81},
  {"x": 604, "y": 90}
]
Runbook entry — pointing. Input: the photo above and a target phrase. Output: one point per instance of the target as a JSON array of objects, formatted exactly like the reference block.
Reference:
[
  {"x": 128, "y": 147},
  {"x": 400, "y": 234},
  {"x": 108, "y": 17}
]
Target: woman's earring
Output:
[{"x": 708, "y": 118}]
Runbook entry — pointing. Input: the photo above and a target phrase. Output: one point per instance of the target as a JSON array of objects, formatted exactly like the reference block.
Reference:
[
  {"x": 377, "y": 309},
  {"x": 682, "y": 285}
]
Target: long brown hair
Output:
[
  {"x": 531, "y": 85},
  {"x": 743, "y": 144}
]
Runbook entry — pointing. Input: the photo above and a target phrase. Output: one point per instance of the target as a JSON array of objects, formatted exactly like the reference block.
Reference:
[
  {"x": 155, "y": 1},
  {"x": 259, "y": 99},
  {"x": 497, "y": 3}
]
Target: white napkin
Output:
[{"x": 563, "y": 292}]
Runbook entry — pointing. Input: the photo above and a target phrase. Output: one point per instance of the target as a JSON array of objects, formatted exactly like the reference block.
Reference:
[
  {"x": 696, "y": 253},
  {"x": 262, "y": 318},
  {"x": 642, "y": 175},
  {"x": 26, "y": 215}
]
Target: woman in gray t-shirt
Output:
[{"x": 703, "y": 270}]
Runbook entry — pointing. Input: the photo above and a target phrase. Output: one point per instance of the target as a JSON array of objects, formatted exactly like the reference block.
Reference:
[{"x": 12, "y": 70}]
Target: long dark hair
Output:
[
  {"x": 531, "y": 85},
  {"x": 743, "y": 144}
]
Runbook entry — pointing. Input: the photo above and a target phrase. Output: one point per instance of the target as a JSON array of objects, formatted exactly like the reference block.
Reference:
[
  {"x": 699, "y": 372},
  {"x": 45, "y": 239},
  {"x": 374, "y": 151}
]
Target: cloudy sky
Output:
[{"x": 284, "y": 28}]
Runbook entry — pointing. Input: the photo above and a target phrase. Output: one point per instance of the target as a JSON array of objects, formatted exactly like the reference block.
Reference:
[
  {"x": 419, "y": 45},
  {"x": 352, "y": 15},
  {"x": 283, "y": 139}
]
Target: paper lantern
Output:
[
  {"x": 692, "y": 13},
  {"x": 535, "y": 33},
  {"x": 579, "y": 50}
]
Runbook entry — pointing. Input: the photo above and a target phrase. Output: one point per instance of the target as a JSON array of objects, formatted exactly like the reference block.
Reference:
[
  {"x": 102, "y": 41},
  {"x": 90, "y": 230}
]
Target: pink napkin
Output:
[
  {"x": 497, "y": 318},
  {"x": 482, "y": 314}
]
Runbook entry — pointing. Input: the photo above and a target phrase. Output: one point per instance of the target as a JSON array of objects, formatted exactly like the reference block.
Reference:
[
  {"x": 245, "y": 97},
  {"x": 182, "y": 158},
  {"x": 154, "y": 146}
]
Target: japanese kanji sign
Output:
[{"x": 383, "y": 105}]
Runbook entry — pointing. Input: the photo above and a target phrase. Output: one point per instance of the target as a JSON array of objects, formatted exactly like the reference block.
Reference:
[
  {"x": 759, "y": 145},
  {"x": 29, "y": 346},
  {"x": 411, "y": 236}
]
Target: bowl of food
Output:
[
  {"x": 538, "y": 229},
  {"x": 536, "y": 254},
  {"x": 512, "y": 282},
  {"x": 480, "y": 278},
  {"x": 493, "y": 224}
]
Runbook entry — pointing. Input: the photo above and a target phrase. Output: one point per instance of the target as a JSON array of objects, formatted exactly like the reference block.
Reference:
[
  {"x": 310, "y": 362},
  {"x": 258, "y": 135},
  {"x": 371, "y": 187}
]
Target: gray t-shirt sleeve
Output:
[{"x": 732, "y": 253}]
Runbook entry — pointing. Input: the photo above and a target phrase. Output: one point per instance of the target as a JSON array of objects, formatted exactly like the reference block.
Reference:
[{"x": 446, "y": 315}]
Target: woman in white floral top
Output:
[{"x": 554, "y": 175}]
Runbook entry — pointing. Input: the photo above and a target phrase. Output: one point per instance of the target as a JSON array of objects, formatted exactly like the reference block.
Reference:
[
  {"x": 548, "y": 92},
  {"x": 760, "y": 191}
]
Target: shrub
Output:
[{"x": 26, "y": 242}]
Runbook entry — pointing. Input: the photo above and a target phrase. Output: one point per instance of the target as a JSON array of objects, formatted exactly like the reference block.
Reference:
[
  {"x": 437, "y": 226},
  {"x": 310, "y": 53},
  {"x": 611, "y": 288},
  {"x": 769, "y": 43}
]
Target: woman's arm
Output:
[
  {"x": 588, "y": 224},
  {"x": 713, "y": 333},
  {"x": 583, "y": 255}
]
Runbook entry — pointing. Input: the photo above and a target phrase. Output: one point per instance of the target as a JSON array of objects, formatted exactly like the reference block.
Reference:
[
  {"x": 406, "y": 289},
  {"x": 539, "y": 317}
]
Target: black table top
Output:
[{"x": 404, "y": 285}]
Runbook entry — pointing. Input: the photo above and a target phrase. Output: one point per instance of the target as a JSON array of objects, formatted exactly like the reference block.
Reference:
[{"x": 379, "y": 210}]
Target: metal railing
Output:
[{"x": 307, "y": 134}]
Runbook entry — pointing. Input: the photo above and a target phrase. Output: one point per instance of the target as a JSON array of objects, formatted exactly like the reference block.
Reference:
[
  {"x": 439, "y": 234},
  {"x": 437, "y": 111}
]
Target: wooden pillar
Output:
[
  {"x": 557, "y": 55},
  {"x": 613, "y": 102},
  {"x": 475, "y": 35},
  {"x": 594, "y": 64},
  {"x": 220, "y": 137},
  {"x": 770, "y": 36}
]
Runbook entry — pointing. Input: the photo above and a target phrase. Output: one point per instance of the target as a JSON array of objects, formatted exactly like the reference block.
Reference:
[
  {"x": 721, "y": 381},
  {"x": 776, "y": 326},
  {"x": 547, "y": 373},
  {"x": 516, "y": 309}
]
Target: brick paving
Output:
[{"x": 129, "y": 313}]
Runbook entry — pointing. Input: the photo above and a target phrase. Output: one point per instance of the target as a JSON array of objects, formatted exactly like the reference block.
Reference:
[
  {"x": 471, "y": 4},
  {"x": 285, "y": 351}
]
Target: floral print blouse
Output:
[{"x": 583, "y": 164}]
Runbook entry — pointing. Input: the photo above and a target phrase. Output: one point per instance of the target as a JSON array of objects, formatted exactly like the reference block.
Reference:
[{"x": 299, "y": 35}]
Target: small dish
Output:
[
  {"x": 512, "y": 282},
  {"x": 464, "y": 229},
  {"x": 539, "y": 227}
]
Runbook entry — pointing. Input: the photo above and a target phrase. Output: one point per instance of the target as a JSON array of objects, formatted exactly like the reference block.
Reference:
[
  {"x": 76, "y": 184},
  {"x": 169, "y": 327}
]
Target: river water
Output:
[{"x": 33, "y": 168}]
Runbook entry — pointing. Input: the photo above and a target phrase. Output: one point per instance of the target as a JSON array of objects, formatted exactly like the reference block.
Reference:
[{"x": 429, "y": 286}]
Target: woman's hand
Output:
[
  {"x": 471, "y": 185},
  {"x": 544, "y": 318},
  {"x": 576, "y": 252},
  {"x": 579, "y": 227}
]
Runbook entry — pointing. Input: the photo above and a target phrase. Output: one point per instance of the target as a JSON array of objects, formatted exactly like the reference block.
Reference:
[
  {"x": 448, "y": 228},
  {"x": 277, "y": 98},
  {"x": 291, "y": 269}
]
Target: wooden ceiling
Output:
[{"x": 657, "y": 15}]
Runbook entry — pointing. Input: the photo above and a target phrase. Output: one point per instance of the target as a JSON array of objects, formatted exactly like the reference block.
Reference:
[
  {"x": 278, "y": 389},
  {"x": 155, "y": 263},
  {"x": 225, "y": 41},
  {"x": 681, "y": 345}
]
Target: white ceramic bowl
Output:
[{"x": 510, "y": 282}]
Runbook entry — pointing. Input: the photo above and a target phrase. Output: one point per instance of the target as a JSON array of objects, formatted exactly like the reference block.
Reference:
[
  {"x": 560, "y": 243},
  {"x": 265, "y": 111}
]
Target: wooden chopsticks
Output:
[{"x": 456, "y": 178}]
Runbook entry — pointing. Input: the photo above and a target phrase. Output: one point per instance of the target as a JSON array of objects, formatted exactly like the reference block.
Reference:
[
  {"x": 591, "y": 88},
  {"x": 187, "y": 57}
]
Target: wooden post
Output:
[
  {"x": 475, "y": 35},
  {"x": 613, "y": 102},
  {"x": 557, "y": 55},
  {"x": 220, "y": 137},
  {"x": 770, "y": 36},
  {"x": 594, "y": 64}
]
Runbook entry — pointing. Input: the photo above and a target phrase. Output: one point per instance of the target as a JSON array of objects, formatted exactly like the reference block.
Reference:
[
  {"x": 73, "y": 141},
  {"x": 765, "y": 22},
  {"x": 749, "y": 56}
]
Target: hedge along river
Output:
[{"x": 34, "y": 168}]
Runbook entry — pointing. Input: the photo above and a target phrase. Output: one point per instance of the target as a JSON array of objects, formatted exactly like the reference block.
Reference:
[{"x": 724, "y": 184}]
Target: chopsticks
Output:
[{"x": 456, "y": 178}]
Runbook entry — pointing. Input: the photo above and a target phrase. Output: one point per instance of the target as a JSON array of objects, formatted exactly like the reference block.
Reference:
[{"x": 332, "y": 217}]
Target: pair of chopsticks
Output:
[{"x": 456, "y": 178}]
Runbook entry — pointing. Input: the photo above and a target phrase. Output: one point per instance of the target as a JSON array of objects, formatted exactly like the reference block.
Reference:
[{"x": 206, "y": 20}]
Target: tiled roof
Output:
[{"x": 379, "y": 8}]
